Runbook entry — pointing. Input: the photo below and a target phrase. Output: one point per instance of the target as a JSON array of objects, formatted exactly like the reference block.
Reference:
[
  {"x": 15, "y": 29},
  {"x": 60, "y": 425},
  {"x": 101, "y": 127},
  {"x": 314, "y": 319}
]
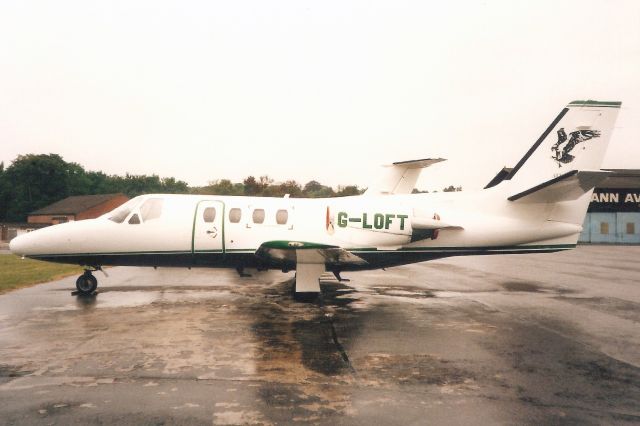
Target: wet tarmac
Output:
[{"x": 518, "y": 339}]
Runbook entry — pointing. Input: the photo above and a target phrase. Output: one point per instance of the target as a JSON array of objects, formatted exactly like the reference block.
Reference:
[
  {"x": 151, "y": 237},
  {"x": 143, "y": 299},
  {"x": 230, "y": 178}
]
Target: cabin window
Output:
[
  {"x": 282, "y": 216},
  {"x": 631, "y": 228},
  {"x": 151, "y": 209},
  {"x": 258, "y": 216},
  {"x": 134, "y": 220},
  {"x": 235, "y": 215},
  {"x": 209, "y": 214}
]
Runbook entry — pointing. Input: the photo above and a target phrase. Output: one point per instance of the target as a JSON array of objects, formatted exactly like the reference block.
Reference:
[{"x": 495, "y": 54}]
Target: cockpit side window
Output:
[
  {"x": 151, "y": 209},
  {"x": 134, "y": 219}
]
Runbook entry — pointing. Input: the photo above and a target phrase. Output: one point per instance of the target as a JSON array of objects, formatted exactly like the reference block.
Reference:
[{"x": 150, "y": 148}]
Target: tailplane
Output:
[{"x": 567, "y": 187}]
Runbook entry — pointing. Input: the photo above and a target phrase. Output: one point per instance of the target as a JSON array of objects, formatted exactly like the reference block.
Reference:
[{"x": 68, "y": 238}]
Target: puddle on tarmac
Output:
[{"x": 110, "y": 299}]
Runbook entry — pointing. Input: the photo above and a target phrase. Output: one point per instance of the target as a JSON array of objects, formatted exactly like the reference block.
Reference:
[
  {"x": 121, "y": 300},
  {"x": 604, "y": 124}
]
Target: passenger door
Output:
[{"x": 208, "y": 227}]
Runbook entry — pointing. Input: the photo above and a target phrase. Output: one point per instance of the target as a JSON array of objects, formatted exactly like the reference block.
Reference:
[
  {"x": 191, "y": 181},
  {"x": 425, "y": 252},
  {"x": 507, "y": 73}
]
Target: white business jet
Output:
[{"x": 536, "y": 207}]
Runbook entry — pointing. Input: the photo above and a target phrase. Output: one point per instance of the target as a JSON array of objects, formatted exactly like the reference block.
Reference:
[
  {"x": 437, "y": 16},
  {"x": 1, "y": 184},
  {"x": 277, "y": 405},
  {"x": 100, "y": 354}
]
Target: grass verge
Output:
[{"x": 17, "y": 273}]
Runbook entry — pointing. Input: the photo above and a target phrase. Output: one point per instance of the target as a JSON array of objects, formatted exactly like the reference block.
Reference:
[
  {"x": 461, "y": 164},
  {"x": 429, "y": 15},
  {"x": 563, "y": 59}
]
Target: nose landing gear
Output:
[{"x": 86, "y": 283}]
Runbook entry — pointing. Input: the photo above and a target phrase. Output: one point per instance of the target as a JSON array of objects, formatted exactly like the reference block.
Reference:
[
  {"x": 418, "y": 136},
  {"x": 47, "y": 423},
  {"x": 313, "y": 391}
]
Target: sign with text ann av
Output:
[{"x": 615, "y": 200}]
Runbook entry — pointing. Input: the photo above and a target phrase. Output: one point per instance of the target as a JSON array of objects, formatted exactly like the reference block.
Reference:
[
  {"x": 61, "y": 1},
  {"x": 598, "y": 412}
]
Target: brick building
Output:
[{"x": 77, "y": 207}]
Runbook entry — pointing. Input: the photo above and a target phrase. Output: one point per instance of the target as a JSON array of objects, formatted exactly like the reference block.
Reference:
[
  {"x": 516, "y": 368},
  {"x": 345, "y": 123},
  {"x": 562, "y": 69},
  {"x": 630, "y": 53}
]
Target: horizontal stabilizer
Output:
[
  {"x": 401, "y": 177},
  {"x": 418, "y": 164},
  {"x": 569, "y": 186},
  {"x": 306, "y": 252}
]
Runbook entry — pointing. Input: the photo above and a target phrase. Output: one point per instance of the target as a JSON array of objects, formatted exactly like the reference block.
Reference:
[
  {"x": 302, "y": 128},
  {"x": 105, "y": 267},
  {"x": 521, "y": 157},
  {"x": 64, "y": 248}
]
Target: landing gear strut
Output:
[{"x": 86, "y": 283}]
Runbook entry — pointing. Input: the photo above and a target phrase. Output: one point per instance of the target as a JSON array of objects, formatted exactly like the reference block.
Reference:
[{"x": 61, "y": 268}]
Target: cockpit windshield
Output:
[
  {"x": 144, "y": 209},
  {"x": 121, "y": 213}
]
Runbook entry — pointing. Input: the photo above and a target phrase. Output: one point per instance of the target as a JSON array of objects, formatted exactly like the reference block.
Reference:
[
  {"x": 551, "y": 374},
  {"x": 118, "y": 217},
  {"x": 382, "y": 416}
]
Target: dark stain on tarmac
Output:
[
  {"x": 10, "y": 372},
  {"x": 520, "y": 286},
  {"x": 306, "y": 329},
  {"x": 530, "y": 287}
]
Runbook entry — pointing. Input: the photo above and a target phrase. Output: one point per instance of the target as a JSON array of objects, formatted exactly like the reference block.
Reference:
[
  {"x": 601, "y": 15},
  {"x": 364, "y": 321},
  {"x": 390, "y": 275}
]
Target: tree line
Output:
[{"x": 33, "y": 181}]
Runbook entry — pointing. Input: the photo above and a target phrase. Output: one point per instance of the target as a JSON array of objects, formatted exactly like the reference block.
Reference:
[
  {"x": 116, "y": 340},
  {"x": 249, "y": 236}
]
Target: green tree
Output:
[
  {"x": 35, "y": 181},
  {"x": 314, "y": 189},
  {"x": 256, "y": 187},
  {"x": 223, "y": 187},
  {"x": 173, "y": 186},
  {"x": 4, "y": 193},
  {"x": 290, "y": 187},
  {"x": 251, "y": 186},
  {"x": 344, "y": 191}
]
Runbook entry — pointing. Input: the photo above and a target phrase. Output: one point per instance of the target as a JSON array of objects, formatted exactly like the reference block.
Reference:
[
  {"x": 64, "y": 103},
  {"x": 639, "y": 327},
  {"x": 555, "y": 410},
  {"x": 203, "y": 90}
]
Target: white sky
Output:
[{"x": 324, "y": 90}]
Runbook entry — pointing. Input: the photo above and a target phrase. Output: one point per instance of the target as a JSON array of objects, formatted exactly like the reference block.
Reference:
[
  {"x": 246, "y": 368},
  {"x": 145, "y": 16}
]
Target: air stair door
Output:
[{"x": 208, "y": 229}]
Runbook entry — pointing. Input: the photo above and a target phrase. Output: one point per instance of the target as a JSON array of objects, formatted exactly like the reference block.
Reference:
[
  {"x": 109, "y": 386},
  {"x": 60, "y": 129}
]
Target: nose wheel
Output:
[{"x": 86, "y": 284}]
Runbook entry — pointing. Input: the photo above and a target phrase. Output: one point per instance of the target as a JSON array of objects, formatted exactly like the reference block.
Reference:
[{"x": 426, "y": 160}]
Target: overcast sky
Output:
[{"x": 324, "y": 90}]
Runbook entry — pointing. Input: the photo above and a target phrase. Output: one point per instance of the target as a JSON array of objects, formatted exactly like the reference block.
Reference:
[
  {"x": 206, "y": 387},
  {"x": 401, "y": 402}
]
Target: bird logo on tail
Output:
[{"x": 562, "y": 149}]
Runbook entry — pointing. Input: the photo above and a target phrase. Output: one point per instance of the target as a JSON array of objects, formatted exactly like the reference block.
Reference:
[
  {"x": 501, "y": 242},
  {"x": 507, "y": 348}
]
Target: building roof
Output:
[
  {"x": 622, "y": 178},
  {"x": 75, "y": 204}
]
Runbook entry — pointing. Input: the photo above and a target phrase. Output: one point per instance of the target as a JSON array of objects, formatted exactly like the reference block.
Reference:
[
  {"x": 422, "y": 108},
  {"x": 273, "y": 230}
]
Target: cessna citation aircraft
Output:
[{"x": 536, "y": 207}]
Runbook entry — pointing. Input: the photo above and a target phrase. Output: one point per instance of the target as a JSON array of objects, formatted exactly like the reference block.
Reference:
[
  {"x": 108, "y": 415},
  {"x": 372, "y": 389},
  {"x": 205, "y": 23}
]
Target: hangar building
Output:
[{"x": 614, "y": 213}]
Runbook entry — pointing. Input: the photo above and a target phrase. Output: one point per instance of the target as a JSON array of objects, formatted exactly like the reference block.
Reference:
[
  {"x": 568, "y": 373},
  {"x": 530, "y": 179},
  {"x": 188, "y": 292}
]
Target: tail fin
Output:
[{"x": 576, "y": 140}]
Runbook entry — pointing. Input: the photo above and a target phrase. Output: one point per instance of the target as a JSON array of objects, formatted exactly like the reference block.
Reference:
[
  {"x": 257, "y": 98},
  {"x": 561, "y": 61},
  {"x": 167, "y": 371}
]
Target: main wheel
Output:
[{"x": 86, "y": 284}]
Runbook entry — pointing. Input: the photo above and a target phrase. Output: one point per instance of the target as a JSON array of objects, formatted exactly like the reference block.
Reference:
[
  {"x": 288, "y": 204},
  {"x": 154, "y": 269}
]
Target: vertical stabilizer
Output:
[{"x": 576, "y": 140}]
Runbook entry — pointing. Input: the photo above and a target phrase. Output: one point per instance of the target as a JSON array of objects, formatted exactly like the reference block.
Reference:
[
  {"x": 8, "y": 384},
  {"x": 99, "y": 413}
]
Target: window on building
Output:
[
  {"x": 258, "y": 216},
  {"x": 604, "y": 228},
  {"x": 151, "y": 209},
  {"x": 134, "y": 220},
  {"x": 282, "y": 216},
  {"x": 631, "y": 228},
  {"x": 59, "y": 219},
  {"x": 235, "y": 215},
  {"x": 209, "y": 214}
]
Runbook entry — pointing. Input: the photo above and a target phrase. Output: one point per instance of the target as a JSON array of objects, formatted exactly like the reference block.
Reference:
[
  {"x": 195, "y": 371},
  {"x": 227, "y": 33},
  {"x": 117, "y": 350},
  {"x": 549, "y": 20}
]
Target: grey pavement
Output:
[{"x": 517, "y": 339}]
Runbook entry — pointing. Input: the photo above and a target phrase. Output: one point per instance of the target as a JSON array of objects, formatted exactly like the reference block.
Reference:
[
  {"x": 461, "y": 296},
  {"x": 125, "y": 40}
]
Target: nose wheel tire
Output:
[{"x": 86, "y": 284}]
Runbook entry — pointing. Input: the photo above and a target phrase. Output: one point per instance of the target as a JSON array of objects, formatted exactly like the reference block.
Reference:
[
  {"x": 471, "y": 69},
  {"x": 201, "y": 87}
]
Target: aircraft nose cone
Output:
[{"x": 17, "y": 245}]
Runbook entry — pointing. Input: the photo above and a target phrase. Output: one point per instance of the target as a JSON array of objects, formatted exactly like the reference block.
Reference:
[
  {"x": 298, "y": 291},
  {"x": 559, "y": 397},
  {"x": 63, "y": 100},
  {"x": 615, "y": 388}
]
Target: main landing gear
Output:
[{"x": 87, "y": 283}]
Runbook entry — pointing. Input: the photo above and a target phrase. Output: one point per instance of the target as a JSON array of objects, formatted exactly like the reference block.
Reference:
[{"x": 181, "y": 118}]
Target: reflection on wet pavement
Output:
[{"x": 484, "y": 340}]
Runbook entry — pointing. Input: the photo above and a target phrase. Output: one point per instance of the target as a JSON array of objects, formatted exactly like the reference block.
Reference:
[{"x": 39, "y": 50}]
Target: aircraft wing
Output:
[
  {"x": 302, "y": 252},
  {"x": 566, "y": 187},
  {"x": 401, "y": 177}
]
